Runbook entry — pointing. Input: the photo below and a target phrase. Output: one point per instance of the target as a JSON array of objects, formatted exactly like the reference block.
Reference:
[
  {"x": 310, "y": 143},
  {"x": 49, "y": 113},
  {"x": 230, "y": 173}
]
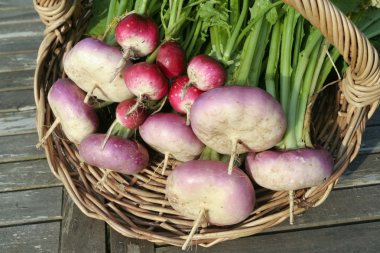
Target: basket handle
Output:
[{"x": 362, "y": 79}]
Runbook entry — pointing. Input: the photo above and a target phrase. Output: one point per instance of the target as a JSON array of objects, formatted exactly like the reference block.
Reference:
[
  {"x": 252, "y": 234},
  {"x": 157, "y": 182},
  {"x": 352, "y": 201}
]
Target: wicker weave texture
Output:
[{"x": 136, "y": 206}]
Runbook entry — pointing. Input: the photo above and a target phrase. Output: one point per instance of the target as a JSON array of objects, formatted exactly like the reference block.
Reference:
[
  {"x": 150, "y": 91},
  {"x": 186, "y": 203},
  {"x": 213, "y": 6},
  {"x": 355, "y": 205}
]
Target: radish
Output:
[
  {"x": 234, "y": 120},
  {"x": 145, "y": 81},
  {"x": 91, "y": 65},
  {"x": 171, "y": 59},
  {"x": 204, "y": 191},
  {"x": 125, "y": 121},
  {"x": 77, "y": 118},
  {"x": 168, "y": 134},
  {"x": 137, "y": 35},
  {"x": 205, "y": 73},
  {"x": 179, "y": 103},
  {"x": 119, "y": 154},
  {"x": 290, "y": 169}
]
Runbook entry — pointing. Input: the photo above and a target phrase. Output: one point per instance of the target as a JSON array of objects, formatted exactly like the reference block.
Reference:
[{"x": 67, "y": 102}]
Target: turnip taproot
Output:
[
  {"x": 199, "y": 187},
  {"x": 182, "y": 104},
  {"x": 290, "y": 169},
  {"x": 91, "y": 65},
  {"x": 77, "y": 118},
  {"x": 119, "y": 154},
  {"x": 168, "y": 134},
  {"x": 206, "y": 73},
  {"x": 171, "y": 59},
  {"x": 234, "y": 120}
]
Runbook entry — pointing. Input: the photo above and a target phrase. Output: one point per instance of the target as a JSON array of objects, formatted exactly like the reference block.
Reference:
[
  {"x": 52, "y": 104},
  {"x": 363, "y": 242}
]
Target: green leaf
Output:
[
  {"x": 97, "y": 23},
  {"x": 348, "y": 6}
]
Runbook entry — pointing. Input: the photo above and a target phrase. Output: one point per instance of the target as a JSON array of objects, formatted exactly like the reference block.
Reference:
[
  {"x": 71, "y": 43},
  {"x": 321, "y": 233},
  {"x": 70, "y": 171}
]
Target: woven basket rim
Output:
[{"x": 135, "y": 206}]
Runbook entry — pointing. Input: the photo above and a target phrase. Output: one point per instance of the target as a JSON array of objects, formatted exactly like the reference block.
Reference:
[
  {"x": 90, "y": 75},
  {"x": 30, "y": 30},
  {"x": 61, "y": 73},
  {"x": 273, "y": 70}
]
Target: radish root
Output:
[
  {"x": 184, "y": 90},
  {"x": 166, "y": 160},
  {"x": 187, "y": 115},
  {"x": 48, "y": 133},
  {"x": 196, "y": 225},
  {"x": 139, "y": 101}
]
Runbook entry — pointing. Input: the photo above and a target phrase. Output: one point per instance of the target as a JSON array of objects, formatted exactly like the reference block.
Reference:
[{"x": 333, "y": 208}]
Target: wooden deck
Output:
[{"x": 36, "y": 214}]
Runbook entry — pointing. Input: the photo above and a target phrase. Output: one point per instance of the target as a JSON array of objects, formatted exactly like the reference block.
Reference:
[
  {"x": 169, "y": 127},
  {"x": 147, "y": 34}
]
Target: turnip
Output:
[
  {"x": 146, "y": 82},
  {"x": 119, "y": 154},
  {"x": 182, "y": 104},
  {"x": 205, "y": 73},
  {"x": 137, "y": 35},
  {"x": 91, "y": 65},
  {"x": 234, "y": 120},
  {"x": 168, "y": 134},
  {"x": 203, "y": 190},
  {"x": 77, "y": 118},
  {"x": 171, "y": 59}
]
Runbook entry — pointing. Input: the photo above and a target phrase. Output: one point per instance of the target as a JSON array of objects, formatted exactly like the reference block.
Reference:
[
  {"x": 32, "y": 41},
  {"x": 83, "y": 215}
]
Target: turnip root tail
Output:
[
  {"x": 108, "y": 134},
  {"x": 291, "y": 207},
  {"x": 197, "y": 223},
  {"x": 89, "y": 94},
  {"x": 48, "y": 133},
  {"x": 187, "y": 115},
  {"x": 233, "y": 155},
  {"x": 166, "y": 160},
  {"x": 103, "y": 180}
]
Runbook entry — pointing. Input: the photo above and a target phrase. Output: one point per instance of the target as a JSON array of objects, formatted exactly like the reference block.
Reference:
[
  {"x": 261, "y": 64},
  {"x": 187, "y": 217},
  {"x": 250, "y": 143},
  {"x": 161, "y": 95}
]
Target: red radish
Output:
[
  {"x": 234, "y": 120},
  {"x": 77, "y": 118},
  {"x": 126, "y": 120},
  {"x": 133, "y": 120},
  {"x": 205, "y": 186},
  {"x": 168, "y": 134},
  {"x": 291, "y": 169},
  {"x": 137, "y": 35},
  {"x": 146, "y": 81},
  {"x": 182, "y": 104},
  {"x": 119, "y": 154},
  {"x": 91, "y": 65},
  {"x": 206, "y": 73},
  {"x": 171, "y": 59}
]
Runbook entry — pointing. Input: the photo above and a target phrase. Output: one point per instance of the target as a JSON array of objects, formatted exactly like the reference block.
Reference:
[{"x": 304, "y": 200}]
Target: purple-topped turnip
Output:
[
  {"x": 168, "y": 134},
  {"x": 204, "y": 191},
  {"x": 182, "y": 104},
  {"x": 234, "y": 120},
  {"x": 91, "y": 65},
  {"x": 77, "y": 118}
]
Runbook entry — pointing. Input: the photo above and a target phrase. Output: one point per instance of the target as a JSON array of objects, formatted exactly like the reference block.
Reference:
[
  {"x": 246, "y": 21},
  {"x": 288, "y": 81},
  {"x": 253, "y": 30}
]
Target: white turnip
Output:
[{"x": 91, "y": 65}]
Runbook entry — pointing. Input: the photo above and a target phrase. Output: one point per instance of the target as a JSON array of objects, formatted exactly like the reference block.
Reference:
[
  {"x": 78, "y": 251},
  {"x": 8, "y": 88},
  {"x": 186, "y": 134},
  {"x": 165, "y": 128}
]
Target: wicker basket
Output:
[{"x": 136, "y": 206}]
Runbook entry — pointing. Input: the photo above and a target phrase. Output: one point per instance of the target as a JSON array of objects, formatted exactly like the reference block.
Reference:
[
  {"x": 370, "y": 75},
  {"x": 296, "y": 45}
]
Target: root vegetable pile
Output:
[{"x": 208, "y": 83}]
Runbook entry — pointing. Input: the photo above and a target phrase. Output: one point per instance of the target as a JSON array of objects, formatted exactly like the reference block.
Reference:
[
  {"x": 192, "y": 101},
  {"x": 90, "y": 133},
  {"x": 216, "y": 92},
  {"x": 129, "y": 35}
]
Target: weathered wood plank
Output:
[
  {"x": 371, "y": 140},
  {"x": 364, "y": 170},
  {"x": 13, "y": 101},
  {"x": 121, "y": 244},
  {"x": 8, "y": 13},
  {"x": 17, "y": 122},
  {"x": 20, "y": 44},
  {"x": 21, "y": 28},
  {"x": 26, "y": 175},
  {"x": 19, "y": 3},
  {"x": 43, "y": 237},
  {"x": 19, "y": 148},
  {"x": 16, "y": 80},
  {"x": 79, "y": 232},
  {"x": 29, "y": 206},
  {"x": 375, "y": 119},
  {"x": 18, "y": 61},
  {"x": 350, "y": 238}
]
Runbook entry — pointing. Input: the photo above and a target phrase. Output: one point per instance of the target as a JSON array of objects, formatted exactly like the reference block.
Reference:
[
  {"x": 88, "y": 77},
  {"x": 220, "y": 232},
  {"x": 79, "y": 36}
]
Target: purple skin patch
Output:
[
  {"x": 227, "y": 199},
  {"x": 121, "y": 155},
  {"x": 291, "y": 169},
  {"x": 167, "y": 132},
  {"x": 78, "y": 119}
]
